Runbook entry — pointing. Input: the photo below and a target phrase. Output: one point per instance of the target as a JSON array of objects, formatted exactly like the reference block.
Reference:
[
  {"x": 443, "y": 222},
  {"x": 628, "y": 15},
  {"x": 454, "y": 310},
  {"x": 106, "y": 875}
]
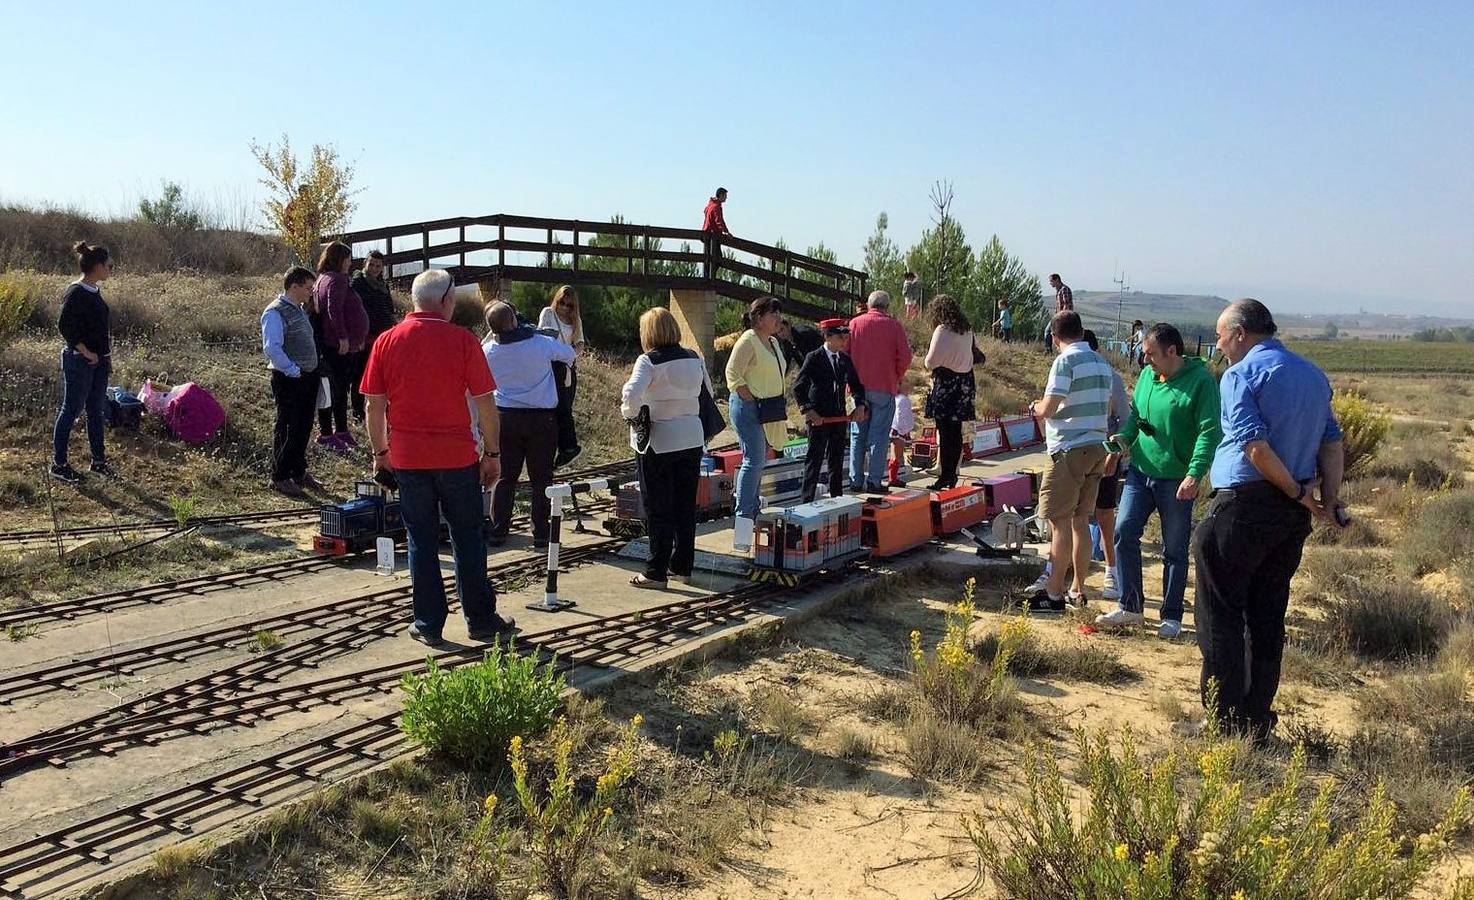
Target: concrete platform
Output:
[{"x": 47, "y": 798}]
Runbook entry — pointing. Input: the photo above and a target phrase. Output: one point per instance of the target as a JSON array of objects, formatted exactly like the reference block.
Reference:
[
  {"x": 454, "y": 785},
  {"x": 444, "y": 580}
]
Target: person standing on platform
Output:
[
  {"x": 952, "y": 399},
  {"x": 1280, "y": 440},
  {"x": 345, "y": 329},
  {"x": 819, "y": 391},
  {"x": 911, "y": 295},
  {"x": 902, "y": 425},
  {"x": 563, "y": 318},
  {"x": 1171, "y": 434},
  {"x": 1064, "y": 301},
  {"x": 419, "y": 426},
  {"x": 711, "y": 217},
  {"x": 291, "y": 355},
  {"x": 755, "y": 373},
  {"x": 881, "y": 355},
  {"x": 667, "y": 380},
  {"x": 1076, "y": 403},
  {"x": 521, "y": 361},
  {"x": 372, "y": 288},
  {"x": 86, "y": 362}
]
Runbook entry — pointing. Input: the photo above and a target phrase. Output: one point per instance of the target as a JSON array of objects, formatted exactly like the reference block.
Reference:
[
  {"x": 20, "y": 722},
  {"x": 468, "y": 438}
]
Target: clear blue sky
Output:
[{"x": 1317, "y": 155}]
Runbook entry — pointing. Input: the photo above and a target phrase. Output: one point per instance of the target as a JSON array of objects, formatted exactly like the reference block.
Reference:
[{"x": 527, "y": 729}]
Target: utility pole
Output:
[{"x": 1122, "y": 286}]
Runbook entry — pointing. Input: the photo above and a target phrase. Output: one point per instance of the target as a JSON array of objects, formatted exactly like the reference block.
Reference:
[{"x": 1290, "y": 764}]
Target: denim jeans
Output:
[
  {"x": 872, "y": 436},
  {"x": 1143, "y": 496},
  {"x": 425, "y": 495},
  {"x": 754, "y": 444},
  {"x": 84, "y": 387}
]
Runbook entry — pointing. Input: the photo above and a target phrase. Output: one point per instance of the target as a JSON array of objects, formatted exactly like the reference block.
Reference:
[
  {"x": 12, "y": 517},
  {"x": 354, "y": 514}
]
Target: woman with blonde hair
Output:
[
  {"x": 561, "y": 318},
  {"x": 755, "y": 373},
  {"x": 665, "y": 387}
]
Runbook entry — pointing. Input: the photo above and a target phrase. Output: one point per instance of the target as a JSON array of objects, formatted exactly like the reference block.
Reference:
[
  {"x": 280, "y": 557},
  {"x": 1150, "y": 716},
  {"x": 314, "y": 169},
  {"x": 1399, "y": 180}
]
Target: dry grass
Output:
[{"x": 1073, "y": 659}]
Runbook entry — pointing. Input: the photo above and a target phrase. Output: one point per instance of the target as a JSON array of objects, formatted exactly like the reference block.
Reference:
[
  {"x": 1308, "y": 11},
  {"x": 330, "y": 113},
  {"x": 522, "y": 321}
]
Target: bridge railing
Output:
[{"x": 528, "y": 248}]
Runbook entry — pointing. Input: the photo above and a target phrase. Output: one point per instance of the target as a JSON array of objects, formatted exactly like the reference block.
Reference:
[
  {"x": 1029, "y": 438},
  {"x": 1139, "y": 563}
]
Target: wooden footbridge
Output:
[{"x": 494, "y": 251}]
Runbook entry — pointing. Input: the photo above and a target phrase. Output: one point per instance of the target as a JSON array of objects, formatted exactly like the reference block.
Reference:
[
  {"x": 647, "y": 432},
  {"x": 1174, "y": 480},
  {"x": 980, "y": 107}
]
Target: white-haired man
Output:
[
  {"x": 881, "y": 355},
  {"x": 416, "y": 382}
]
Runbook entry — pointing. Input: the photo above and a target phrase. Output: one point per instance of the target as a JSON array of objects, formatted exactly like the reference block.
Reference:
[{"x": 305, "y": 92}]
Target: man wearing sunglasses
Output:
[{"x": 1171, "y": 435}]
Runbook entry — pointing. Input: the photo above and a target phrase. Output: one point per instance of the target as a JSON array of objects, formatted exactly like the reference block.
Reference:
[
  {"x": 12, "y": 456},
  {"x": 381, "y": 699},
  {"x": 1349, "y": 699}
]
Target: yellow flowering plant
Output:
[
  {"x": 957, "y": 685},
  {"x": 1184, "y": 829},
  {"x": 562, "y": 829}
]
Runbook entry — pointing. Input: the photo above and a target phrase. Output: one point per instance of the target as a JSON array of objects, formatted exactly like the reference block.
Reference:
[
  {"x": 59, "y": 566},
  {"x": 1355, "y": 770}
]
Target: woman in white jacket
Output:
[
  {"x": 562, "y": 319},
  {"x": 667, "y": 379}
]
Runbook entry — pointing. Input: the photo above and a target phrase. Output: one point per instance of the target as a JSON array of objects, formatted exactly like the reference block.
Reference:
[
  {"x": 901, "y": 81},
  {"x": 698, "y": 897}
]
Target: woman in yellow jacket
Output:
[{"x": 755, "y": 373}]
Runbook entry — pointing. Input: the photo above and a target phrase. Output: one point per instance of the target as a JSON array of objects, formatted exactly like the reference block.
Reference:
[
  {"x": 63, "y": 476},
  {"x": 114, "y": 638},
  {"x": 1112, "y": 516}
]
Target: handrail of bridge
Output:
[{"x": 813, "y": 286}]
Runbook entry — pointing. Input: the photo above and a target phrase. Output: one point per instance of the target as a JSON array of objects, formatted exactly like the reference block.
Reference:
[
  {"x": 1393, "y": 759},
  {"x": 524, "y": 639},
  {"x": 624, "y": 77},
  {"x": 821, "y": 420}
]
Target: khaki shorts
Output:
[{"x": 1071, "y": 482}]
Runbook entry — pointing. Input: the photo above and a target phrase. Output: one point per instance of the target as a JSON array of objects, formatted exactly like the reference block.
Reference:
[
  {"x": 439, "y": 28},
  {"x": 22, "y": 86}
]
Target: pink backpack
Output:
[{"x": 193, "y": 413}]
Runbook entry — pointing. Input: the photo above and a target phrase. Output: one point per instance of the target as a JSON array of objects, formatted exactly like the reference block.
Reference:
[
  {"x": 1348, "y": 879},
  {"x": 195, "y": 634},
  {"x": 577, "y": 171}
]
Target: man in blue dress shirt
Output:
[{"x": 1280, "y": 442}]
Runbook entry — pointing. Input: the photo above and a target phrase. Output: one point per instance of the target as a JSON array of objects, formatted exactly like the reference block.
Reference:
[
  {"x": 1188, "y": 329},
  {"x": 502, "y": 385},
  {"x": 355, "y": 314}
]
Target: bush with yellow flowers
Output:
[
  {"x": 563, "y": 830},
  {"x": 954, "y": 682},
  {"x": 1180, "y": 829}
]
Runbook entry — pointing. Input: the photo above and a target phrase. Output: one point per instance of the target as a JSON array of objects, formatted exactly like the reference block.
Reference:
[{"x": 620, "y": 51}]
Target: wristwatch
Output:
[{"x": 491, "y": 454}]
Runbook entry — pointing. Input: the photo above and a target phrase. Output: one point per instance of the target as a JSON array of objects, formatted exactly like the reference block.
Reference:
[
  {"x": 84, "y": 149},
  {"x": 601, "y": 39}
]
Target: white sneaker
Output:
[
  {"x": 1112, "y": 589},
  {"x": 1119, "y": 618},
  {"x": 1042, "y": 581},
  {"x": 1170, "y": 629}
]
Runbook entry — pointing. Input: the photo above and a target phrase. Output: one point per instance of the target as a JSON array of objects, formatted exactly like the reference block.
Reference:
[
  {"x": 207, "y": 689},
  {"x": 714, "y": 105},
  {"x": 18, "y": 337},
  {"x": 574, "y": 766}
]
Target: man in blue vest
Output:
[{"x": 291, "y": 355}]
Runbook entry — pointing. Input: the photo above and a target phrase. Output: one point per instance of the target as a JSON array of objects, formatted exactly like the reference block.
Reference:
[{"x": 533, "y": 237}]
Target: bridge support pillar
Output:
[
  {"x": 696, "y": 313},
  {"x": 493, "y": 290}
]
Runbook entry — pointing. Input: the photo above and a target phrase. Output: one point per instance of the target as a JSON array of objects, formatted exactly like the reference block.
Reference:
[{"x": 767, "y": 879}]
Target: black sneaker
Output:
[
  {"x": 429, "y": 640},
  {"x": 103, "y": 469},
  {"x": 1040, "y": 601},
  {"x": 566, "y": 457},
  {"x": 539, "y": 543},
  {"x": 494, "y": 628},
  {"x": 67, "y": 474},
  {"x": 496, "y": 538}
]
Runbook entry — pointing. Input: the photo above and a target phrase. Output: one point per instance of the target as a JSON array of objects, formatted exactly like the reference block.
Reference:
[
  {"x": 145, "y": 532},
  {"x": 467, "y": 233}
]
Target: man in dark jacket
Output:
[
  {"x": 373, "y": 290},
  {"x": 799, "y": 341},
  {"x": 819, "y": 390}
]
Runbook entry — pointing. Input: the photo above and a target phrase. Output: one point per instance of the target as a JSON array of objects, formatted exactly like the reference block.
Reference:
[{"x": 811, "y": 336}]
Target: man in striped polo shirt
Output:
[{"x": 1076, "y": 403}]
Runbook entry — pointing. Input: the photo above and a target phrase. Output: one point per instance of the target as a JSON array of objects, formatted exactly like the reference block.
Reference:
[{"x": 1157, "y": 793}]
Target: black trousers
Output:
[
  {"x": 529, "y": 437},
  {"x": 949, "y": 451},
  {"x": 340, "y": 374},
  {"x": 356, "y": 362},
  {"x": 1246, "y": 550},
  {"x": 296, "y": 400},
  {"x": 827, "y": 443},
  {"x": 567, "y": 433},
  {"x": 668, "y": 484}
]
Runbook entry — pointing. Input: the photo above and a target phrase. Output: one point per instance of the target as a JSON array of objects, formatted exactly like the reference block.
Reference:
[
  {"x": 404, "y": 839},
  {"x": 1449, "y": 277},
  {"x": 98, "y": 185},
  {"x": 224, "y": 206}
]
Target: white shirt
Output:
[
  {"x": 905, "y": 419},
  {"x": 672, "y": 390}
]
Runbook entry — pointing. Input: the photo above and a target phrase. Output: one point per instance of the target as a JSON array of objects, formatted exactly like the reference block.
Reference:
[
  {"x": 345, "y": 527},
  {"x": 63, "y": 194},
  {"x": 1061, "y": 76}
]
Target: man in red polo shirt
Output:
[{"x": 416, "y": 382}]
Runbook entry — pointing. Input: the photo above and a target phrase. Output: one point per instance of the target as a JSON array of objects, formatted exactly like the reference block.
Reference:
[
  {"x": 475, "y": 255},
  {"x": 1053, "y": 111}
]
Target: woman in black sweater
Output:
[{"x": 86, "y": 362}]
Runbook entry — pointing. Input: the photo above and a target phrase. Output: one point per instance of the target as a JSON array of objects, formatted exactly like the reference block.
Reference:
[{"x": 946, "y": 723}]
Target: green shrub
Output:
[
  {"x": 1441, "y": 534},
  {"x": 1164, "y": 830},
  {"x": 18, "y": 300},
  {"x": 470, "y": 714},
  {"x": 952, "y": 680},
  {"x": 1388, "y": 619},
  {"x": 1074, "y": 660},
  {"x": 1363, "y": 426}
]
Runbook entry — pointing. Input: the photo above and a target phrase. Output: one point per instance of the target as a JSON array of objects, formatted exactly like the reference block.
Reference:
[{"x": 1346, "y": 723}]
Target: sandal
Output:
[{"x": 640, "y": 581}]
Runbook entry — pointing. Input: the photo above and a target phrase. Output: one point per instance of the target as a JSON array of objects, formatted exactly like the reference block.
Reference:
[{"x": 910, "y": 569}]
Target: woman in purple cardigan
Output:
[{"x": 344, "y": 331}]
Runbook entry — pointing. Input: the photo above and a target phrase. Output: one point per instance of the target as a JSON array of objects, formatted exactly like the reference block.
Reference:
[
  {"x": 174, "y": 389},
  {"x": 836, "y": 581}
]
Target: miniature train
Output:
[{"x": 792, "y": 543}]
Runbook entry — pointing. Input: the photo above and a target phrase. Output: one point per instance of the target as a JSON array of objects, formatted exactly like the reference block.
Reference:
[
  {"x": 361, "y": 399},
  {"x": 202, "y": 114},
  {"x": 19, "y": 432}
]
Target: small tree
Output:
[
  {"x": 170, "y": 210},
  {"x": 306, "y": 202},
  {"x": 997, "y": 275},
  {"x": 883, "y": 258},
  {"x": 942, "y": 258}
]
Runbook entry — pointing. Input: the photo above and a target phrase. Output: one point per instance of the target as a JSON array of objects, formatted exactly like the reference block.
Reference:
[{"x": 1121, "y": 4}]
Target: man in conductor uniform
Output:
[{"x": 819, "y": 390}]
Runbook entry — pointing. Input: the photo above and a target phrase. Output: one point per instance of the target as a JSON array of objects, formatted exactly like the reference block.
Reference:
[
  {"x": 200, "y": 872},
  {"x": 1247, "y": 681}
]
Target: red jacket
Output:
[
  {"x": 713, "y": 220},
  {"x": 880, "y": 350}
]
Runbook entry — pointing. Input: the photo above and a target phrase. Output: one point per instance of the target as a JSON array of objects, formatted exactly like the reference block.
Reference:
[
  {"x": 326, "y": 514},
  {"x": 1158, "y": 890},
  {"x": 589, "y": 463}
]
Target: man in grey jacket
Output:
[{"x": 291, "y": 354}]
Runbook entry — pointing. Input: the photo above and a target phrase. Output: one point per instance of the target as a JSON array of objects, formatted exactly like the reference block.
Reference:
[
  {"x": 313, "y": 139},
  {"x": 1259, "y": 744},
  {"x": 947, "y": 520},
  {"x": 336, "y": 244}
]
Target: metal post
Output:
[{"x": 559, "y": 494}]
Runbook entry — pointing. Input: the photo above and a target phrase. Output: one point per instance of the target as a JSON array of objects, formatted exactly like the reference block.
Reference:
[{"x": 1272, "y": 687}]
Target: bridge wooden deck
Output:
[{"x": 507, "y": 248}]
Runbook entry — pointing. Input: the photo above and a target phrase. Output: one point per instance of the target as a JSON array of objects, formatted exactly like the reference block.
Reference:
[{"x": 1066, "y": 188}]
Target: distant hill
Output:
[
  {"x": 1190, "y": 312},
  {"x": 1196, "y": 313}
]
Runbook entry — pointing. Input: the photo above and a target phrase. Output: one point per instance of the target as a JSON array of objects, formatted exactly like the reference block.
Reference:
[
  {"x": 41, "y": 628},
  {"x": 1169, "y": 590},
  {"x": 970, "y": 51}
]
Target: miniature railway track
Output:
[
  {"x": 44, "y": 537},
  {"x": 74, "y": 851},
  {"x": 160, "y": 592},
  {"x": 335, "y": 627}
]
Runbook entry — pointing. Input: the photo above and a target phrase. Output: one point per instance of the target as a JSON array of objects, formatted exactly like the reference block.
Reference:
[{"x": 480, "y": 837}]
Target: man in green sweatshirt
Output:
[{"x": 1171, "y": 434}]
